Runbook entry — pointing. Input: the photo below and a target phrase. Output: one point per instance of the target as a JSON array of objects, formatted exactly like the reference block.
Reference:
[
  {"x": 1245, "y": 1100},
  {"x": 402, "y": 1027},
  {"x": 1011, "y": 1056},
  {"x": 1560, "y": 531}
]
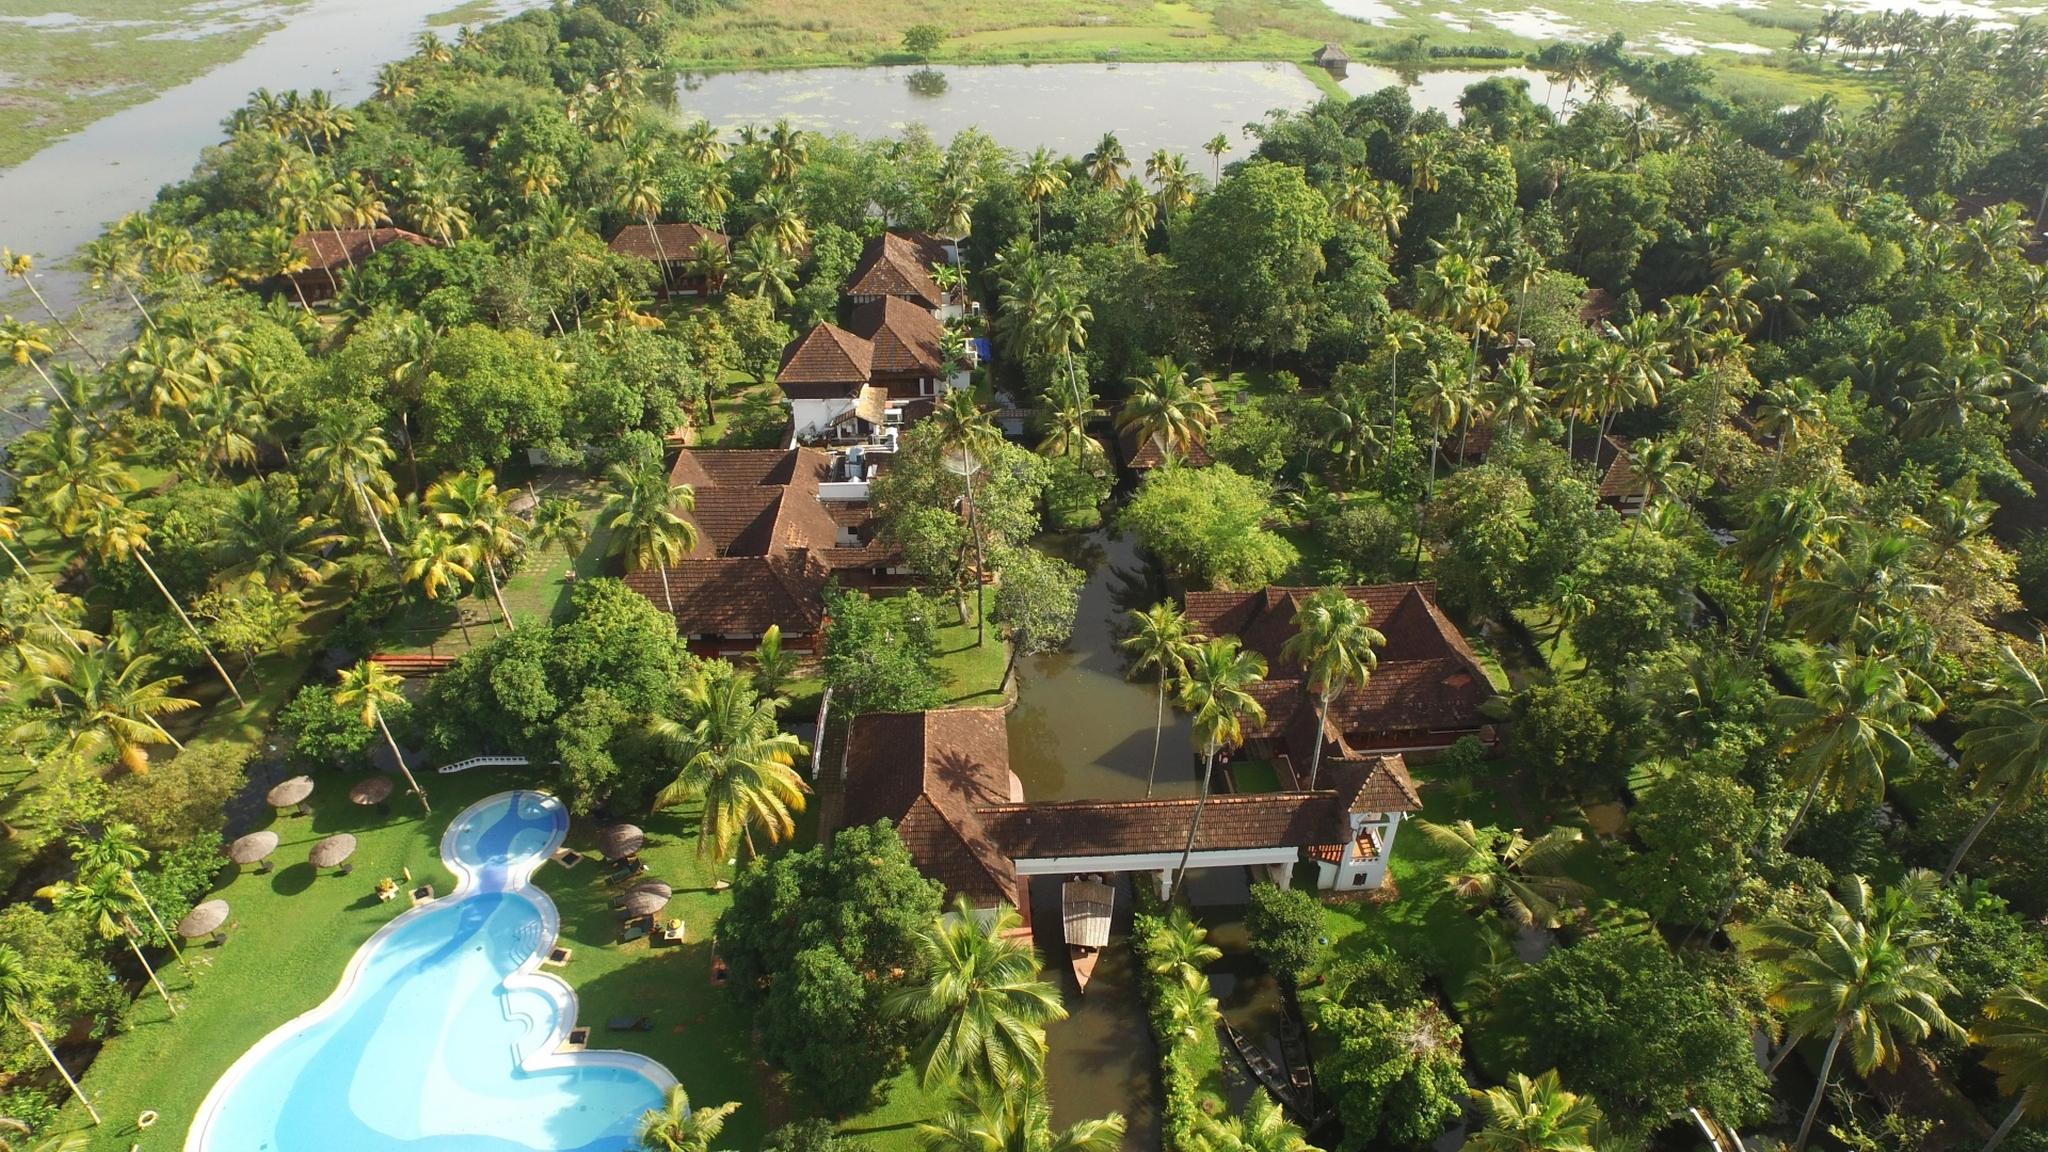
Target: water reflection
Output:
[{"x": 1080, "y": 729}]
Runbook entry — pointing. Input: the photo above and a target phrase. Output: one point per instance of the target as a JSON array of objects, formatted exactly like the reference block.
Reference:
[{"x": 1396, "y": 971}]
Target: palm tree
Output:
[
  {"x": 1658, "y": 468},
  {"x": 677, "y": 1127},
  {"x": 2014, "y": 1033},
  {"x": 115, "y": 532},
  {"x": 774, "y": 665},
  {"x": 1066, "y": 429},
  {"x": 1335, "y": 644},
  {"x": 23, "y": 343},
  {"x": 469, "y": 506},
  {"x": 1168, "y": 408},
  {"x": 701, "y": 145},
  {"x": 1176, "y": 184},
  {"x": 99, "y": 899},
  {"x": 1537, "y": 1115},
  {"x": 558, "y": 523},
  {"x": 980, "y": 1008},
  {"x": 1262, "y": 1127},
  {"x": 1516, "y": 400},
  {"x": 2005, "y": 749},
  {"x": 19, "y": 265},
  {"x": 1161, "y": 641},
  {"x": 1445, "y": 402},
  {"x": 1783, "y": 540},
  {"x": 369, "y": 688},
  {"x": 1865, "y": 977},
  {"x": 103, "y": 700},
  {"x": 638, "y": 195},
  {"x": 267, "y": 539},
  {"x": 1135, "y": 211},
  {"x": 1868, "y": 579},
  {"x": 1017, "y": 1118},
  {"x": 711, "y": 263},
  {"x": 1106, "y": 163},
  {"x": 1042, "y": 178},
  {"x": 1402, "y": 332},
  {"x": 116, "y": 847},
  {"x": 1509, "y": 874},
  {"x": 19, "y": 988},
  {"x": 1216, "y": 146},
  {"x": 964, "y": 431},
  {"x": 762, "y": 268},
  {"x": 1849, "y": 731},
  {"x": 784, "y": 150},
  {"x": 1786, "y": 412},
  {"x": 730, "y": 755},
  {"x": 439, "y": 564},
  {"x": 67, "y": 475},
  {"x": 641, "y": 518},
  {"x": 1180, "y": 942},
  {"x": 1216, "y": 685},
  {"x": 782, "y": 218}
]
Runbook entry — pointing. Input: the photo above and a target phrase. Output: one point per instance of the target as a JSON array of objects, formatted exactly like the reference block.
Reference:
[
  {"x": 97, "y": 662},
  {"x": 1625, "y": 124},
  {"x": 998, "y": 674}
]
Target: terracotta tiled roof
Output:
[
  {"x": 906, "y": 339},
  {"x": 1610, "y": 457},
  {"x": 749, "y": 467},
  {"x": 892, "y": 265},
  {"x": 827, "y": 361},
  {"x": 1373, "y": 784},
  {"x": 929, "y": 772},
  {"x": 931, "y": 247},
  {"x": 741, "y": 595},
  {"x": 678, "y": 242},
  {"x": 1427, "y": 678},
  {"x": 764, "y": 502},
  {"x": 330, "y": 249},
  {"x": 1118, "y": 827},
  {"x": 1142, "y": 453}
]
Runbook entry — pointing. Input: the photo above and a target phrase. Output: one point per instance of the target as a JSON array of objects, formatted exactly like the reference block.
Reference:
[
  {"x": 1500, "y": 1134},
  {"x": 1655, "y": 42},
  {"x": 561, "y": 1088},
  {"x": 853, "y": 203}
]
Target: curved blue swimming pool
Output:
[{"x": 442, "y": 1036}]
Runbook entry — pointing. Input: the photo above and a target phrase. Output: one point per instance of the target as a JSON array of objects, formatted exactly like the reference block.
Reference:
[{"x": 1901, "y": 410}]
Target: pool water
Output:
[{"x": 442, "y": 1037}]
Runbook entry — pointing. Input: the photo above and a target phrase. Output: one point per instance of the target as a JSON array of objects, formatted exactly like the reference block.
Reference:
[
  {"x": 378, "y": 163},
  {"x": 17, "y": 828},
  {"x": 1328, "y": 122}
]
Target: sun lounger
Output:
[
  {"x": 635, "y": 930},
  {"x": 630, "y": 1024}
]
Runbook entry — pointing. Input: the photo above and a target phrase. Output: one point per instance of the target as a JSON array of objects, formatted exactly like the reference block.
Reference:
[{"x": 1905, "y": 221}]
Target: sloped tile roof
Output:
[
  {"x": 678, "y": 242},
  {"x": 1118, "y": 827},
  {"x": 929, "y": 772},
  {"x": 906, "y": 339},
  {"x": 1373, "y": 784},
  {"x": 329, "y": 248},
  {"x": 764, "y": 502},
  {"x": 741, "y": 595},
  {"x": 891, "y": 265},
  {"x": 826, "y": 361},
  {"x": 1142, "y": 453}
]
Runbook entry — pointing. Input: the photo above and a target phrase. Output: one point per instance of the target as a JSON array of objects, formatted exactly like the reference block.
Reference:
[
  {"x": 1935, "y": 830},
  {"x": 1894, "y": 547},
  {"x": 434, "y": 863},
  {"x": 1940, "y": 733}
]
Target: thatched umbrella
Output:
[
  {"x": 332, "y": 851},
  {"x": 291, "y": 793},
  {"x": 645, "y": 899},
  {"x": 255, "y": 848},
  {"x": 371, "y": 790},
  {"x": 620, "y": 841},
  {"x": 205, "y": 920}
]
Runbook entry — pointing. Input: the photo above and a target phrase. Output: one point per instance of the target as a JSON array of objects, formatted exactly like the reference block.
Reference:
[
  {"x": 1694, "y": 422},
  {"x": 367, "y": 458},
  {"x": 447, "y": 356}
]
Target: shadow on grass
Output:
[{"x": 293, "y": 879}]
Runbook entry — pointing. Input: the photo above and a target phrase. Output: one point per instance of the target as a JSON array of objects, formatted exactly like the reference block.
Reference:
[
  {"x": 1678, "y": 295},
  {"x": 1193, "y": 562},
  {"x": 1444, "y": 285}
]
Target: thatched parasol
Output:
[
  {"x": 332, "y": 851},
  {"x": 620, "y": 841},
  {"x": 290, "y": 793},
  {"x": 645, "y": 899},
  {"x": 204, "y": 920},
  {"x": 371, "y": 790},
  {"x": 253, "y": 847}
]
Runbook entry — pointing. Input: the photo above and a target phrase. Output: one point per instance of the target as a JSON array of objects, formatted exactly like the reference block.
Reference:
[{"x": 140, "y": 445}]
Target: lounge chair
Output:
[
  {"x": 634, "y": 930},
  {"x": 628, "y": 872},
  {"x": 630, "y": 1024}
]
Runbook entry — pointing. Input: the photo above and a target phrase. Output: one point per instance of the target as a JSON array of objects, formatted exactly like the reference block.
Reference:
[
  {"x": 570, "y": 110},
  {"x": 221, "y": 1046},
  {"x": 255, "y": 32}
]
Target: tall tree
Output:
[
  {"x": 366, "y": 686},
  {"x": 967, "y": 436},
  {"x": 1168, "y": 407},
  {"x": 469, "y": 506},
  {"x": 2005, "y": 748},
  {"x": 1216, "y": 691},
  {"x": 1507, "y": 873},
  {"x": 1337, "y": 648},
  {"x": 115, "y": 532},
  {"x": 100, "y": 900},
  {"x": 2014, "y": 1036},
  {"x": 1016, "y": 1119},
  {"x": 1161, "y": 641},
  {"x": 19, "y": 988},
  {"x": 1851, "y": 728},
  {"x": 641, "y": 517},
  {"x": 19, "y": 265},
  {"x": 730, "y": 756},
  {"x": 102, "y": 699},
  {"x": 979, "y": 1008},
  {"x": 1536, "y": 1115}
]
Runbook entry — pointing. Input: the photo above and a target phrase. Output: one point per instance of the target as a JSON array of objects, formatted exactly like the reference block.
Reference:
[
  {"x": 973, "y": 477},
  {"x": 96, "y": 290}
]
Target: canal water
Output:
[{"x": 1101, "y": 1058}]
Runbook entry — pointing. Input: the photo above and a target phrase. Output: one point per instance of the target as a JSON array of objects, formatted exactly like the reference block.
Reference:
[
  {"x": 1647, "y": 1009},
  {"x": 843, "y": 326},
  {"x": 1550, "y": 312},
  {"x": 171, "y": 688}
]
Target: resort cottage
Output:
[{"x": 672, "y": 249}]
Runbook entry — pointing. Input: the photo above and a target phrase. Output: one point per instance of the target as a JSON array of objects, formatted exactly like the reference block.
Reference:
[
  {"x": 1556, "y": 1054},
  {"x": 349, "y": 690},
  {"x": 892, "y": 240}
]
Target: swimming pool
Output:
[{"x": 442, "y": 1035}]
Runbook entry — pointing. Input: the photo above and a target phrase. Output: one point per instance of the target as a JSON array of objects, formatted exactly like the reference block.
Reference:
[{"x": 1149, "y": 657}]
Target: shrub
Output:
[
  {"x": 1286, "y": 929},
  {"x": 185, "y": 798}
]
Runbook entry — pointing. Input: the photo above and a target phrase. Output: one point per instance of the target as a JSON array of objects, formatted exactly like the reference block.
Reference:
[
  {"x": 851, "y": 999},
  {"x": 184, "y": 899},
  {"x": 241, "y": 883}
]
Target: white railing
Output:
[{"x": 482, "y": 762}]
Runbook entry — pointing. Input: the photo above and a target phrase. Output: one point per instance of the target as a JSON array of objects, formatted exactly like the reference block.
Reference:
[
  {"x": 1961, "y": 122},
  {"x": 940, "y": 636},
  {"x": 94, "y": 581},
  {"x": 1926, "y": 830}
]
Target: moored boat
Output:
[{"x": 1085, "y": 907}]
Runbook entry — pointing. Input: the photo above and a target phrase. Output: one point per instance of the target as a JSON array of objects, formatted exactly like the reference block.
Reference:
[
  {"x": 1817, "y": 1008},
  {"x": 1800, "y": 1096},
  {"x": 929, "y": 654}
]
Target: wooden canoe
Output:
[{"x": 1085, "y": 907}]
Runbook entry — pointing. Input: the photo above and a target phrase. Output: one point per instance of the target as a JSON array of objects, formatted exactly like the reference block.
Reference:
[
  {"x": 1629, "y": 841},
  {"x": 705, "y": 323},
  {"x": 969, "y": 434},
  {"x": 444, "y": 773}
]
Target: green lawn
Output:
[
  {"x": 975, "y": 670},
  {"x": 1554, "y": 646},
  {"x": 293, "y": 932}
]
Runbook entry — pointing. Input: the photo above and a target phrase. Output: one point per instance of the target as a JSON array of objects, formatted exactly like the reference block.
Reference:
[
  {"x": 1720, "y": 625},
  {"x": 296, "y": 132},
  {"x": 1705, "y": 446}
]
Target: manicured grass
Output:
[
  {"x": 1554, "y": 646},
  {"x": 293, "y": 932},
  {"x": 891, "y": 1126},
  {"x": 975, "y": 670},
  {"x": 1254, "y": 776}
]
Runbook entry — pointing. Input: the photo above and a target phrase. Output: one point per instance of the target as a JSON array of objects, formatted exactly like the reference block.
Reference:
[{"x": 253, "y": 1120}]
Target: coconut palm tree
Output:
[
  {"x": 2005, "y": 748},
  {"x": 1168, "y": 408},
  {"x": 268, "y": 540},
  {"x": 729, "y": 754},
  {"x": 1066, "y": 429},
  {"x": 782, "y": 217},
  {"x": 370, "y": 689},
  {"x": 103, "y": 700},
  {"x": 67, "y": 474},
  {"x": 19, "y": 987},
  {"x": 558, "y": 523},
  {"x": 1850, "y": 729},
  {"x": 116, "y": 847},
  {"x": 1865, "y": 976},
  {"x": 347, "y": 456},
  {"x": 700, "y": 144},
  {"x": 761, "y": 268},
  {"x": 1176, "y": 184},
  {"x": 1041, "y": 179},
  {"x": 115, "y": 260},
  {"x": 1537, "y": 1115},
  {"x": 116, "y": 533},
  {"x": 712, "y": 264},
  {"x": 469, "y": 506},
  {"x": 1261, "y": 1127},
  {"x": 965, "y": 432},
  {"x": 1135, "y": 211},
  {"x": 100, "y": 899},
  {"x": 677, "y": 1127},
  {"x": 1017, "y": 1118},
  {"x": 785, "y": 150},
  {"x": 1786, "y": 412},
  {"x": 438, "y": 564},
  {"x": 1216, "y": 146},
  {"x": 1106, "y": 163},
  {"x": 774, "y": 665},
  {"x": 1190, "y": 1009},
  {"x": 1179, "y": 942},
  {"x": 1515, "y": 398},
  {"x": 979, "y": 1008},
  {"x": 1868, "y": 579},
  {"x": 1445, "y": 402},
  {"x": 642, "y": 521},
  {"x": 1508, "y": 874},
  {"x": 1215, "y": 689},
  {"x": 1161, "y": 641},
  {"x": 23, "y": 344},
  {"x": 1783, "y": 540},
  {"x": 1658, "y": 469},
  {"x": 1336, "y": 646},
  {"x": 19, "y": 265},
  {"x": 638, "y": 195},
  {"x": 2014, "y": 1034}
]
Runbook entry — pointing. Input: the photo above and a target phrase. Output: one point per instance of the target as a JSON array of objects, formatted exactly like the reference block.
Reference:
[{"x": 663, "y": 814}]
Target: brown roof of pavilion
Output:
[
  {"x": 1610, "y": 457},
  {"x": 331, "y": 248},
  {"x": 892, "y": 265},
  {"x": 929, "y": 772},
  {"x": 1142, "y": 454},
  {"x": 1427, "y": 678},
  {"x": 677, "y": 242},
  {"x": 703, "y": 468},
  {"x": 827, "y": 361},
  {"x": 741, "y": 595},
  {"x": 1331, "y": 53},
  {"x": 1127, "y": 827},
  {"x": 904, "y": 338}
]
